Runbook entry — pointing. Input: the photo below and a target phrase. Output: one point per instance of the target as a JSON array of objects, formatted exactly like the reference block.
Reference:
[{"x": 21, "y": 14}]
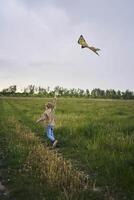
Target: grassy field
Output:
[{"x": 94, "y": 158}]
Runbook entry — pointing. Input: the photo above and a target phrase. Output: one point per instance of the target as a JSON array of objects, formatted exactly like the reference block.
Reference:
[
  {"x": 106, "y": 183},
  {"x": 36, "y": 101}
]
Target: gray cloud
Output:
[{"x": 39, "y": 43}]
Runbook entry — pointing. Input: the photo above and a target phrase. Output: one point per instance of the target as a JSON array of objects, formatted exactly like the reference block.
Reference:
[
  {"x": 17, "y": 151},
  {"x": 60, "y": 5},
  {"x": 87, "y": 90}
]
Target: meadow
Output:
[{"x": 94, "y": 158}]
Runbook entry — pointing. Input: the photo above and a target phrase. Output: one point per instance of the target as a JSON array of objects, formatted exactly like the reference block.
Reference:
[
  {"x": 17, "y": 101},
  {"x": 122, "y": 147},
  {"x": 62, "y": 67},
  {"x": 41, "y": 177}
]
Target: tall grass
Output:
[
  {"x": 39, "y": 170},
  {"x": 98, "y": 137}
]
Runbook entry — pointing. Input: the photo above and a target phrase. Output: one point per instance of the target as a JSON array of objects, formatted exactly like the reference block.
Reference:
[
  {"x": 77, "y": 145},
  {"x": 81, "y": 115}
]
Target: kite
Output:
[{"x": 84, "y": 44}]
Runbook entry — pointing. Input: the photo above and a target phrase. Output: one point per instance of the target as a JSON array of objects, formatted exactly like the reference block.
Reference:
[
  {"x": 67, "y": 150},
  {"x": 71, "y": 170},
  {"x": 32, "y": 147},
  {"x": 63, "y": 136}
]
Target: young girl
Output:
[{"x": 49, "y": 118}]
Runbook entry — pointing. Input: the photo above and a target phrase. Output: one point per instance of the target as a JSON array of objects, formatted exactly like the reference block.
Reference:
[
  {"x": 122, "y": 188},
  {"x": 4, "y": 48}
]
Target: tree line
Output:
[{"x": 32, "y": 90}]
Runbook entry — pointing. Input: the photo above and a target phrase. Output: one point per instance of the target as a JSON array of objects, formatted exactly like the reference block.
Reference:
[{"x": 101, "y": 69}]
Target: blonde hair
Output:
[{"x": 50, "y": 105}]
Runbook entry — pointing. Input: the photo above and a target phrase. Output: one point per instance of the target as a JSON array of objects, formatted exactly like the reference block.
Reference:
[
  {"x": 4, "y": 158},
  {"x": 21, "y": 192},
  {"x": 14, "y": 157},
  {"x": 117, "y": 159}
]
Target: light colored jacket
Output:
[{"x": 48, "y": 117}]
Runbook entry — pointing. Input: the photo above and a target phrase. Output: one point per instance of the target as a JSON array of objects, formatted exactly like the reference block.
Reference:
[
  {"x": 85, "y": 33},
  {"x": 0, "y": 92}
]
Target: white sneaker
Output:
[{"x": 55, "y": 142}]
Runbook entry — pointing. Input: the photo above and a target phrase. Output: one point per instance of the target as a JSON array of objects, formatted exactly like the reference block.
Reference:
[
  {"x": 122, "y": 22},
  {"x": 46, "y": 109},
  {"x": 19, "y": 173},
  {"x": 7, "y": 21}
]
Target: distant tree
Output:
[
  {"x": 111, "y": 94},
  {"x": 108, "y": 94},
  {"x": 118, "y": 94},
  {"x": 87, "y": 93},
  {"x": 128, "y": 95},
  {"x": 59, "y": 90},
  {"x": 42, "y": 91},
  {"x": 5, "y": 91},
  {"x": 76, "y": 92},
  {"x": 80, "y": 92},
  {"x": 11, "y": 90},
  {"x": 72, "y": 92},
  {"x": 97, "y": 93},
  {"x": 30, "y": 89},
  {"x": 65, "y": 92},
  {"x": 102, "y": 93}
]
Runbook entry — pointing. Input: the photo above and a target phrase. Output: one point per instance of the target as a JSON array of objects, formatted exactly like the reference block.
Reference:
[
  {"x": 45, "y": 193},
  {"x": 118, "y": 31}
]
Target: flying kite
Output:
[{"x": 84, "y": 44}]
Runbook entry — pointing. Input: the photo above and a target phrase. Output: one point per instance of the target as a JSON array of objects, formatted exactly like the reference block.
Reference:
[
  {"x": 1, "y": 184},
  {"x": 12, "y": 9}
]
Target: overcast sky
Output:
[{"x": 38, "y": 43}]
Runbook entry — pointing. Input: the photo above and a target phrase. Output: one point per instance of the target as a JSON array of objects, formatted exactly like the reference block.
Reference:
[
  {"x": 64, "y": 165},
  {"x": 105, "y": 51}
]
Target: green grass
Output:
[{"x": 96, "y": 135}]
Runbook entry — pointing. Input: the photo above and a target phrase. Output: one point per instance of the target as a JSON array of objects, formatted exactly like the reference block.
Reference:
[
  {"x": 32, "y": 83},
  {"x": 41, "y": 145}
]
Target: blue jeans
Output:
[{"x": 50, "y": 133}]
